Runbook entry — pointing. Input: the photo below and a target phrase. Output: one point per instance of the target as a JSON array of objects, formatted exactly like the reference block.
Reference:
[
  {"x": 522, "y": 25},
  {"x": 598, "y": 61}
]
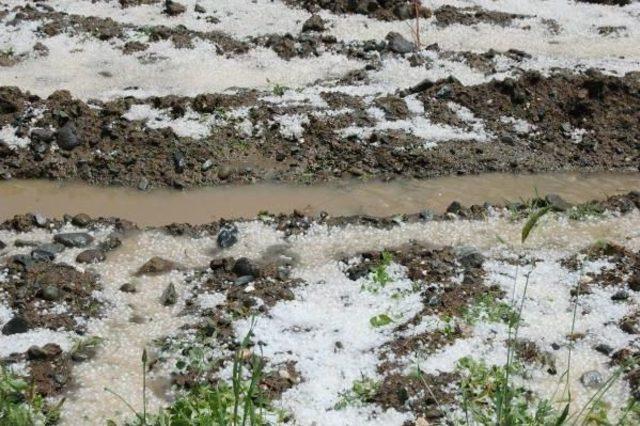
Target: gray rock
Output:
[
  {"x": 603, "y": 348},
  {"x": 454, "y": 207},
  {"x": 91, "y": 256},
  {"x": 227, "y": 236},
  {"x": 156, "y": 266},
  {"x": 81, "y": 220},
  {"x": 73, "y": 239},
  {"x": 244, "y": 280},
  {"x": 173, "y": 8},
  {"x": 244, "y": 266},
  {"x": 23, "y": 259},
  {"x": 426, "y": 215},
  {"x": 42, "y": 255},
  {"x": 315, "y": 23},
  {"x": 620, "y": 295},
  {"x": 42, "y": 135},
  {"x": 67, "y": 138},
  {"x": 169, "y": 295},
  {"x": 179, "y": 162},
  {"x": 50, "y": 293},
  {"x": 53, "y": 248},
  {"x": 199, "y": 9},
  {"x": 445, "y": 92},
  {"x": 206, "y": 166},
  {"x": 398, "y": 44},
  {"x": 128, "y": 288},
  {"x": 40, "y": 219},
  {"x": 15, "y": 325},
  {"x": 2, "y": 245},
  {"x": 470, "y": 257},
  {"x": 143, "y": 185},
  {"x": 557, "y": 203},
  {"x": 110, "y": 243},
  {"x": 591, "y": 379}
]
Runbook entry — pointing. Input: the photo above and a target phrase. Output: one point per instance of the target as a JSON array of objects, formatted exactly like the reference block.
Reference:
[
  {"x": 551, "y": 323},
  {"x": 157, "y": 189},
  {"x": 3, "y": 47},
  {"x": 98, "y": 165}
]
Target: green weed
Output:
[{"x": 362, "y": 391}]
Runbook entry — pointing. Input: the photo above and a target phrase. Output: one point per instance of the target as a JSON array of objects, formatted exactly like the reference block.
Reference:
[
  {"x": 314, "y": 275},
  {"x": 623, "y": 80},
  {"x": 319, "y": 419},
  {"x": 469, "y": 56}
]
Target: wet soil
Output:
[{"x": 581, "y": 122}]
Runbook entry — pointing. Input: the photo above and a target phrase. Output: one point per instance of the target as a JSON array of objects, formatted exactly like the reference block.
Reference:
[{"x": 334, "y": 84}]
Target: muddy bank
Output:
[
  {"x": 347, "y": 198},
  {"x": 397, "y": 294},
  {"x": 532, "y": 124}
]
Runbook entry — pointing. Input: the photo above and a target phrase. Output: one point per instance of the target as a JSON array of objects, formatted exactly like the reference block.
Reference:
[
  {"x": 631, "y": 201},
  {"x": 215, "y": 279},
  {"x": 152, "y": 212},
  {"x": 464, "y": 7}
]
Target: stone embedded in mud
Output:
[
  {"x": 22, "y": 259},
  {"x": 470, "y": 257},
  {"x": 42, "y": 135},
  {"x": 206, "y": 166},
  {"x": 91, "y": 256},
  {"x": 157, "y": 265},
  {"x": 557, "y": 203},
  {"x": 16, "y": 325},
  {"x": 128, "y": 288},
  {"x": 50, "y": 293},
  {"x": 315, "y": 23},
  {"x": 173, "y": 8},
  {"x": 169, "y": 295},
  {"x": 591, "y": 379},
  {"x": 81, "y": 220},
  {"x": 40, "y": 255},
  {"x": 143, "y": 184},
  {"x": 227, "y": 236},
  {"x": 455, "y": 207},
  {"x": 179, "y": 162},
  {"x": 110, "y": 243},
  {"x": 244, "y": 280},
  {"x": 53, "y": 248},
  {"x": 244, "y": 266},
  {"x": 48, "y": 351},
  {"x": 73, "y": 239},
  {"x": 67, "y": 138},
  {"x": 398, "y": 44}
]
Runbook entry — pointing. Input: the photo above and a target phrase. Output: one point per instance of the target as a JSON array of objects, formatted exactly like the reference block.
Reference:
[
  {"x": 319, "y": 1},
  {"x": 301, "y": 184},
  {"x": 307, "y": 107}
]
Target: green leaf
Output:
[
  {"x": 380, "y": 320},
  {"x": 563, "y": 416},
  {"x": 532, "y": 221}
]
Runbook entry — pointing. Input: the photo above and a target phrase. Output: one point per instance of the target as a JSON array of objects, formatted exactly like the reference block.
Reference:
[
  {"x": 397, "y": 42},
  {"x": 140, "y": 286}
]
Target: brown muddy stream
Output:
[{"x": 374, "y": 198}]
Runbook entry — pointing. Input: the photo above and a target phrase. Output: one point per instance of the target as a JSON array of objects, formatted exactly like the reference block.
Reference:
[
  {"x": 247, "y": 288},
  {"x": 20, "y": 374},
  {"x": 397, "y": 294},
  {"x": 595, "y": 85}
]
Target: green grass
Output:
[
  {"x": 20, "y": 405},
  {"x": 237, "y": 402},
  {"x": 362, "y": 391},
  {"x": 585, "y": 211},
  {"x": 487, "y": 308},
  {"x": 380, "y": 275}
]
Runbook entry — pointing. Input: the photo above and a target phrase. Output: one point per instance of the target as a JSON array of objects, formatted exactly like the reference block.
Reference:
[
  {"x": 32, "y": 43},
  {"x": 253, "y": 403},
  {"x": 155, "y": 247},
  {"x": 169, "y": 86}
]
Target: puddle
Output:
[{"x": 374, "y": 198}]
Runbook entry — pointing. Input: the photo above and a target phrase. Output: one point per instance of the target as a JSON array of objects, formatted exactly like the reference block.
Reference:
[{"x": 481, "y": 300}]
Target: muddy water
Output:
[{"x": 346, "y": 198}]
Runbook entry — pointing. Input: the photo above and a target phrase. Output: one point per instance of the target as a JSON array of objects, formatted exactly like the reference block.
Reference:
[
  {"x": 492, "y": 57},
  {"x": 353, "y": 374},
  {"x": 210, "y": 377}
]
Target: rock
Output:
[
  {"x": 199, "y": 9},
  {"x": 41, "y": 220},
  {"x": 2, "y": 245},
  {"x": 179, "y": 162},
  {"x": 244, "y": 266},
  {"x": 50, "y": 293},
  {"x": 224, "y": 172},
  {"x": 426, "y": 215},
  {"x": 73, "y": 239},
  {"x": 42, "y": 135},
  {"x": 23, "y": 259},
  {"x": 110, "y": 243},
  {"x": 169, "y": 295},
  {"x": 81, "y": 220},
  {"x": 173, "y": 8},
  {"x": 454, "y": 207},
  {"x": 91, "y": 256},
  {"x": 603, "y": 349},
  {"x": 157, "y": 265},
  {"x": 66, "y": 137},
  {"x": 143, "y": 185},
  {"x": 48, "y": 351},
  {"x": 227, "y": 236},
  {"x": 620, "y": 295},
  {"x": 42, "y": 255},
  {"x": 470, "y": 257},
  {"x": 15, "y": 325},
  {"x": 634, "y": 281},
  {"x": 25, "y": 243},
  {"x": 630, "y": 325},
  {"x": 398, "y": 44},
  {"x": 445, "y": 92},
  {"x": 421, "y": 421},
  {"x": 315, "y": 23},
  {"x": 591, "y": 379},
  {"x": 244, "y": 280},
  {"x": 557, "y": 203},
  {"x": 53, "y": 248},
  {"x": 206, "y": 166},
  {"x": 128, "y": 288}
]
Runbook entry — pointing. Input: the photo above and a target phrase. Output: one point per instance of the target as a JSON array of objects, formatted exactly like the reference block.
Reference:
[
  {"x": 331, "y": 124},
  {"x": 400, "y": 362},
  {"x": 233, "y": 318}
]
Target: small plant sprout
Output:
[
  {"x": 380, "y": 275},
  {"x": 380, "y": 320},
  {"x": 363, "y": 391}
]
